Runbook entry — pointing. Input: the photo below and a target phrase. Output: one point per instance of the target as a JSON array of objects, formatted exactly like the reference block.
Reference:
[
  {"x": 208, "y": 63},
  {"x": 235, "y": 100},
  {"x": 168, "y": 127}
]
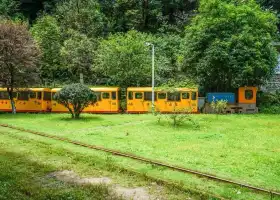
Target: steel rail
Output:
[{"x": 147, "y": 160}]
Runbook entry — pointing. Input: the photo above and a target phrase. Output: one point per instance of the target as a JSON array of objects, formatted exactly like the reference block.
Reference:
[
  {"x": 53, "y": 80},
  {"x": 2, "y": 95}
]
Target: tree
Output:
[
  {"x": 146, "y": 15},
  {"x": 19, "y": 57},
  {"x": 125, "y": 60},
  {"x": 48, "y": 35},
  {"x": 75, "y": 97},
  {"x": 83, "y": 16},
  {"x": 229, "y": 44},
  {"x": 77, "y": 55},
  {"x": 8, "y": 7}
]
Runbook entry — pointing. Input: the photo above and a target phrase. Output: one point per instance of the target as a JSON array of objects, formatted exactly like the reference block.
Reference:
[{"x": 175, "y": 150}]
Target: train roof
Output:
[
  {"x": 96, "y": 89},
  {"x": 29, "y": 89},
  {"x": 149, "y": 89}
]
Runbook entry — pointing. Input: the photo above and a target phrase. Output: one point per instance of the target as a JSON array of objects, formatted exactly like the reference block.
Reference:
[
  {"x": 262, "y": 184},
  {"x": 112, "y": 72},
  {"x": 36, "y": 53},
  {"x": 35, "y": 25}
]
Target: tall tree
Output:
[
  {"x": 48, "y": 35},
  {"x": 19, "y": 56},
  {"x": 229, "y": 44},
  {"x": 146, "y": 15},
  {"x": 77, "y": 56},
  {"x": 8, "y": 8},
  {"x": 125, "y": 60},
  {"x": 81, "y": 15}
]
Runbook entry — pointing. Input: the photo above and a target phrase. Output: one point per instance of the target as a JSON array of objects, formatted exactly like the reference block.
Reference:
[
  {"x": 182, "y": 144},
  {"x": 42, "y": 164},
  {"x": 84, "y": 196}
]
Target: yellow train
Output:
[
  {"x": 108, "y": 101},
  {"x": 138, "y": 100},
  {"x": 27, "y": 100}
]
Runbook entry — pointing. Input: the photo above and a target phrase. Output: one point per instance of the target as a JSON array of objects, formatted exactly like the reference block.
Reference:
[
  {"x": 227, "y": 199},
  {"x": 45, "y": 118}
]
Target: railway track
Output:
[{"x": 272, "y": 193}]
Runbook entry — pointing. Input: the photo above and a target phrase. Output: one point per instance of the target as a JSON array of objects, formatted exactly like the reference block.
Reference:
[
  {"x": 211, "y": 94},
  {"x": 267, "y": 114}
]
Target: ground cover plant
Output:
[{"x": 238, "y": 147}]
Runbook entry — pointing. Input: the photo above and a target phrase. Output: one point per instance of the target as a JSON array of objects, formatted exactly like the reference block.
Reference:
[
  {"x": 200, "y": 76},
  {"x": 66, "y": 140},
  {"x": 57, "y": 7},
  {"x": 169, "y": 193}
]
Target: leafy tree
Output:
[
  {"x": 145, "y": 15},
  {"x": 229, "y": 44},
  {"x": 125, "y": 60},
  {"x": 77, "y": 55},
  {"x": 48, "y": 35},
  {"x": 8, "y": 7},
  {"x": 75, "y": 97},
  {"x": 19, "y": 56},
  {"x": 83, "y": 16}
]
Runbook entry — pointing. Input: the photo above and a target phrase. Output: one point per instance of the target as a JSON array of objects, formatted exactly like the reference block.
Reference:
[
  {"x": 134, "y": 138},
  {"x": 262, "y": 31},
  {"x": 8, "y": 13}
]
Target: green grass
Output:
[{"x": 244, "y": 148}]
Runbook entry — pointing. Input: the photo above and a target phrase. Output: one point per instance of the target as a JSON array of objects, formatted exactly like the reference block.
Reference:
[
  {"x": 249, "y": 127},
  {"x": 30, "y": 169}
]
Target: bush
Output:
[
  {"x": 269, "y": 102},
  {"x": 75, "y": 97},
  {"x": 177, "y": 117},
  {"x": 219, "y": 107}
]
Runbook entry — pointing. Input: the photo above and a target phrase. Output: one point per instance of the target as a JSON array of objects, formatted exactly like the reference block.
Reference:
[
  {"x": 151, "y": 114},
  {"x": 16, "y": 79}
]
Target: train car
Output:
[
  {"x": 243, "y": 101},
  {"x": 108, "y": 101},
  {"x": 56, "y": 107},
  {"x": 27, "y": 100},
  {"x": 139, "y": 100}
]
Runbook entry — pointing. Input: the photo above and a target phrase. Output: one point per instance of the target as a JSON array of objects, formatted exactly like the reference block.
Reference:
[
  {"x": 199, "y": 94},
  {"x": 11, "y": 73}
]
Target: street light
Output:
[{"x": 153, "y": 74}]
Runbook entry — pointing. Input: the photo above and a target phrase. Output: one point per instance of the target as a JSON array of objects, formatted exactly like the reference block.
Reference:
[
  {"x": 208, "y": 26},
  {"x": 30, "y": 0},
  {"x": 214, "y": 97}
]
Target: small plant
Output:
[
  {"x": 75, "y": 97},
  {"x": 219, "y": 107},
  {"x": 179, "y": 116}
]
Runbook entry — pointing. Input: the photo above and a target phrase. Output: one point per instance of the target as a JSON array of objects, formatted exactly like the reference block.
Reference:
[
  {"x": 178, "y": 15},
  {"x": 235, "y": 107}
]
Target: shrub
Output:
[
  {"x": 219, "y": 107},
  {"x": 179, "y": 116},
  {"x": 75, "y": 97},
  {"x": 269, "y": 102}
]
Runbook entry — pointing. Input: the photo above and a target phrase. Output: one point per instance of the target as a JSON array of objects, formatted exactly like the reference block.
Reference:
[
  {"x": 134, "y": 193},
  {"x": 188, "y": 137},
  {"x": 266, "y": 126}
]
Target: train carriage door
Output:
[
  {"x": 161, "y": 102},
  {"x": 173, "y": 101},
  {"x": 194, "y": 101},
  {"x": 106, "y": 101},
  {"x": 129, "y": 103},
  {"x": 33, "y": 104},
  {"x": 186, "y": 100},
  {"x": 148, "y": 101},
  {"x": 114, "y": 101},
  {"x": 138, "y": 102},
  {"x": 22, "y": 102}
]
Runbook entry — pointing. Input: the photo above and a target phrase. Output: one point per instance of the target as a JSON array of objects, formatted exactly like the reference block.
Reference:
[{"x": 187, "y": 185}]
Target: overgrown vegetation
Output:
[
  {"x": 269, "y": 102},
  {"x": 219, "y": 107},
  {"x": 228, "y": 45}
]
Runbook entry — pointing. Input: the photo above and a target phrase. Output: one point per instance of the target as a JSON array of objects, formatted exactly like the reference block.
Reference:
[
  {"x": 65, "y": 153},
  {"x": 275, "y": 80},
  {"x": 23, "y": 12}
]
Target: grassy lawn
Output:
[{"x": 245, "y": 148}]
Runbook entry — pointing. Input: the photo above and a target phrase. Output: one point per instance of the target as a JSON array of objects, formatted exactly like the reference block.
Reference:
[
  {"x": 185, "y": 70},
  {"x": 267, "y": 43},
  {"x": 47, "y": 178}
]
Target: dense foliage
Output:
[
  {"x": 269, "y": 102},
  {"x": 102, "y": 42},
  {"x": 229, "y": 44},
  {"x": 75, "y": 97}
]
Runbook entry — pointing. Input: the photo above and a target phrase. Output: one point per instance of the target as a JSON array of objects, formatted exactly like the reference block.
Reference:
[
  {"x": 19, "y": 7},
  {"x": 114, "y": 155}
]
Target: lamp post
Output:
[{"x": 153, "y": 74}]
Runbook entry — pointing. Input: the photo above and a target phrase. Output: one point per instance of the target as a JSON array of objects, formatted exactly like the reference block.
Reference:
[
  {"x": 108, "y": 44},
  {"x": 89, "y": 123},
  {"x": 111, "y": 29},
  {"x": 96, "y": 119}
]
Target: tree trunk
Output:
[
  {"x": 81, "y": 78},
  {"x": 13, "y": 106},
  {"x": 10, "y": 92}
]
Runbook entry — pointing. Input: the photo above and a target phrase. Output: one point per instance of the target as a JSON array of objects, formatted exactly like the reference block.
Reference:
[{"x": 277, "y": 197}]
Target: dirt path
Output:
[{"x": 138, "y": 193}]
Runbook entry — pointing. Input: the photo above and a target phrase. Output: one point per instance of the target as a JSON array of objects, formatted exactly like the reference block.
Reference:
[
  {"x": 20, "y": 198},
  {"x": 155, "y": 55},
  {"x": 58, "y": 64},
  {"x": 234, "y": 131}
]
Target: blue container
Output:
[{"x": 229, "y": 97}]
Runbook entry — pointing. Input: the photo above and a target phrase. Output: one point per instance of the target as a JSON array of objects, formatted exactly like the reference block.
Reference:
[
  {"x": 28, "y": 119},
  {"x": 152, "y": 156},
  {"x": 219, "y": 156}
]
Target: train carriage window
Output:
[
  {"x": 185, "y": 95},
  {"x": 48, "y": 96},
  {"x": 130, "y": 95},
  {"x": 193, "y": 95},
  {"x": 39, "y": 95},
  {"x": 148, "y": 96},
  {"x": 32, "y": 95},
  {"x": 138, "y": 95},
  {"x": 14, "y": 94},
  {"x": 105, "y": 95},
  {"x": 4, "y": 95},
  {"x": 23, "y": 96},
  {"x": 114, "y": 95},
  {"x": 249, "y": 94},
  {"x": 98, "y": 96},
  {"x": 174, "y": 96},
  {"x": 161, "y": 95}
]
